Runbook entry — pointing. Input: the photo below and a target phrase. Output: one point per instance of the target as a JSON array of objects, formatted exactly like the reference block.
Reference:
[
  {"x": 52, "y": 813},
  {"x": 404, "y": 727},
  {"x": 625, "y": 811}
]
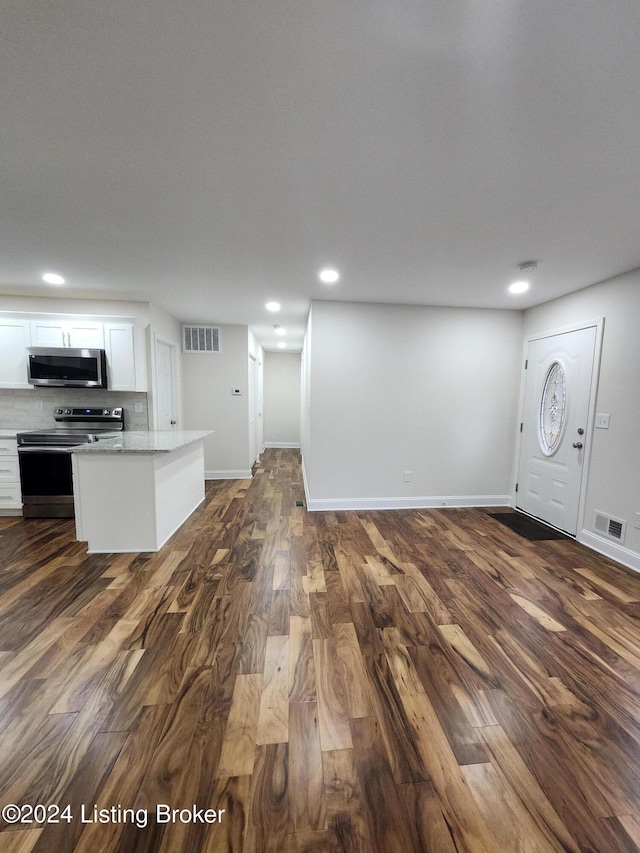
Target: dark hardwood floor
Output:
[{"x": 363, "y": 681}]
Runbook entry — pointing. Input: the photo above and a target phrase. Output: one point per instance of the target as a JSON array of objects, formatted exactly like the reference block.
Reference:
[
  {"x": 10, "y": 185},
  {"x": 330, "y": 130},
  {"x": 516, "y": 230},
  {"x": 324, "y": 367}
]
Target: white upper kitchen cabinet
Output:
[
  {"x": 14, "y": 340},
  {"x": 67, "y": 333},
  {"x": 124, "y": 342},
  {"x": 126, "y": 357}
]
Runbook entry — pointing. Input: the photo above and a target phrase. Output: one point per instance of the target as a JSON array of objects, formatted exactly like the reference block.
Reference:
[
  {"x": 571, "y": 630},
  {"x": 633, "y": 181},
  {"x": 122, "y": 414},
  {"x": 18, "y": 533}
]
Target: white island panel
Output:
[
  {"x": 179, "y": 487},
  {"x": 134, "y": 501}
]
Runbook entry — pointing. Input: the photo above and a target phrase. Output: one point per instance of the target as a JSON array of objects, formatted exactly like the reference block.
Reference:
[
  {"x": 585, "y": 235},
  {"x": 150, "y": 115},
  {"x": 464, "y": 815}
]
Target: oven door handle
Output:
[{"x": 32, "y": 449}]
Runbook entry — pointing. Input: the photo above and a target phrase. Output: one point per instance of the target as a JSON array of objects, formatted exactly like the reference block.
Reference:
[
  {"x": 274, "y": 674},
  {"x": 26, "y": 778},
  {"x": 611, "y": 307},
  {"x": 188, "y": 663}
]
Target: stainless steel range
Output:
[{"x": 45, "y": 457}]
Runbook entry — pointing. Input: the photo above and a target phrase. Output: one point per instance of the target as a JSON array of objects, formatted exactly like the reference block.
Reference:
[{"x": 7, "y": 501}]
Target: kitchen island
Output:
[{"x": 131, "y": 493}]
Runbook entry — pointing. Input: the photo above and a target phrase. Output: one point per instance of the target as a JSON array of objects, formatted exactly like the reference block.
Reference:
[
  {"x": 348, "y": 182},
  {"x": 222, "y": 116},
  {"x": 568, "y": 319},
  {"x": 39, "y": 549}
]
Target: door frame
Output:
[
  {"x": 251, "y": 410},
  {"x": 255, "y": 395},
  {"x": 175, "y": 377},
  {"x": 598, "y": 323}
]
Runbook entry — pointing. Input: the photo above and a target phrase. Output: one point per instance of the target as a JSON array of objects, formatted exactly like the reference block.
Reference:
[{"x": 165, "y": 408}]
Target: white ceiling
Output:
[{"x": 210, "y": 155}]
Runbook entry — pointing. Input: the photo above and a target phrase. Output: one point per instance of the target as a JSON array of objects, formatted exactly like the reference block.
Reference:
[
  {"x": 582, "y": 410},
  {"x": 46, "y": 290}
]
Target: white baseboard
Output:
[
  {"x": 429, "y": 502},
  {"x": 619, "y": 553},
  {"x": 283, "y": 444},
  {"x": 239, "y": 474}
]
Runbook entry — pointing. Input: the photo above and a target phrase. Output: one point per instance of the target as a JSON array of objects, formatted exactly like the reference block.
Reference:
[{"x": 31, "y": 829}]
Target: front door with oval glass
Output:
[{"x": 556, "y": 408}]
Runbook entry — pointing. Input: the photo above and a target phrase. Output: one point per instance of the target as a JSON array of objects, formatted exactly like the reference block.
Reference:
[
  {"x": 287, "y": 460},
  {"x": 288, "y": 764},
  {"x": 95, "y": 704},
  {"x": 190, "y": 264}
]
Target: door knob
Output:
[{"x": 577, "y": 445}]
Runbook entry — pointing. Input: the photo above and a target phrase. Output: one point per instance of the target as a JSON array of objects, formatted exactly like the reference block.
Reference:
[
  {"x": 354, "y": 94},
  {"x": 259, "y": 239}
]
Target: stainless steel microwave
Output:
[{"x": 63, "y": 367}]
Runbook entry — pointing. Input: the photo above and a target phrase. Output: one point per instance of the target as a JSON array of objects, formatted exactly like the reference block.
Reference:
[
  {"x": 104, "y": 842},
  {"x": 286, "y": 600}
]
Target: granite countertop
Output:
[
  {"x": 9, "y": 433},
  {"x": 144, "y": 442}
]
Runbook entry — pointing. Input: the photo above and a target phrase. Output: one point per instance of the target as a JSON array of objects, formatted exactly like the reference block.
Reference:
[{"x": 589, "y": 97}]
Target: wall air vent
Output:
[
  {"x": 612, "y": 528},
  {"x": 200, "y": 339}
]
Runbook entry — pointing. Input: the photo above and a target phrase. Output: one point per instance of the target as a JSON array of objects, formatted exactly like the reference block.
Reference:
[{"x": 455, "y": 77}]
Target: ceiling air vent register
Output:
[{"x": 204, "y": 339}]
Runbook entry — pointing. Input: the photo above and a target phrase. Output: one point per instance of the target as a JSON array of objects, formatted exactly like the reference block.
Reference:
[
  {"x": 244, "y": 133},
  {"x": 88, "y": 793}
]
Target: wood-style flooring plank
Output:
[
  {"x": 345, "y": 813},
  {"x": 425, "y": 812},
  {"x": 333, "y": 711},
  {"x": 238, "y": 749},
  {"x": 354, "y": 675},
  {"x": 307, "y": 807},
  {"x": 302, "y": 672},
  {"x": 124, "y": 780},
  {"x": 273, "y": 718},
  {"x": 20, "y": 842},
  {"x": 80, "y": 794},
  {"x": 470, "y": 834},
  {"x": 268, "y": 812},
  {"x": 388, "y": 826}
]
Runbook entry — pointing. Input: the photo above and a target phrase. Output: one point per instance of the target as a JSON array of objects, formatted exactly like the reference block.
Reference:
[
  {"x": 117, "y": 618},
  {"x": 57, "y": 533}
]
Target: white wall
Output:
[
  {"x": 397, "y": 388},
  {"x": 613, "y": 484},
  {"x": 282, "y": 399},
  {"x": 207, "y": 382}
]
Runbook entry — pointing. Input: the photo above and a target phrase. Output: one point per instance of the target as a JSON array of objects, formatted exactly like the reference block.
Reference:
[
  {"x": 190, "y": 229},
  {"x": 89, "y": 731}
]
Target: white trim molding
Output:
[
  {"x": 238, "y": 474},
  {"x": 429, "y": 502},
  {"x": 280, "y": 445},
  {"x": 616, "y": 552},
  {"x": 304, "y": 481}
]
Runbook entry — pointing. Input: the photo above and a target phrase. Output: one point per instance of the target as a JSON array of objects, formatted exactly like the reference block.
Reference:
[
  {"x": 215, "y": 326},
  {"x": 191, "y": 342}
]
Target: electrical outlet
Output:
[
  {"x": 138, "y": 408},
  {"x": 637, "y": 521},
  {"x": 602, "y": 421},
  {"x": 39, "y": 406},
  {"x": 406, "y": 477}
]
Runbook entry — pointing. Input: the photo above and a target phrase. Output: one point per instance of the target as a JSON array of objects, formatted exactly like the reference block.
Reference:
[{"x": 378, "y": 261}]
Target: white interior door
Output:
[
  {"x": 166, "y": 385},
  {"x": 555, "y": 418},
  {"x": 252, "y": 409},
  {"x": 259, "y": 392}
]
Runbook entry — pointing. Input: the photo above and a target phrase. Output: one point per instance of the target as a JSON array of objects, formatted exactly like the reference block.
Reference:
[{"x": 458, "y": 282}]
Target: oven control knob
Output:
[
  {"x": 67, "y": 411},
  {"x": 59, "y": 411},
  {"x": 106, "y": 411}
]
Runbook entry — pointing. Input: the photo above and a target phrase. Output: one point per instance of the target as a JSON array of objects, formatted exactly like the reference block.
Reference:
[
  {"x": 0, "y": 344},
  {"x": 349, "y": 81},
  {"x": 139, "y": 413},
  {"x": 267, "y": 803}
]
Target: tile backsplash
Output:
[{"x": 18, "y": 407}]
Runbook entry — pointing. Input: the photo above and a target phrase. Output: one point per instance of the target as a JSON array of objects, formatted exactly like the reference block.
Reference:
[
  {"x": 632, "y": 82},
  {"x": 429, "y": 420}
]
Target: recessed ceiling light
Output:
[
  {"x": 280, "y": 330},
  {"x": 272, "y": 306},
  {"x": 52, "y": 278},
  {"x": 281, "y": 345},
  {"x": 329, "y": 276},
  {"x": 518, "y": 287}
]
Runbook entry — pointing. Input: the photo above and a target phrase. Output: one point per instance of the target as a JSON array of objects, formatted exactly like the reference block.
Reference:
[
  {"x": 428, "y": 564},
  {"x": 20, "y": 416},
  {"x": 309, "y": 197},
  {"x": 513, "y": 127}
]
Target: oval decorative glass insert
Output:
[{"x": 553, "y": 408}]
